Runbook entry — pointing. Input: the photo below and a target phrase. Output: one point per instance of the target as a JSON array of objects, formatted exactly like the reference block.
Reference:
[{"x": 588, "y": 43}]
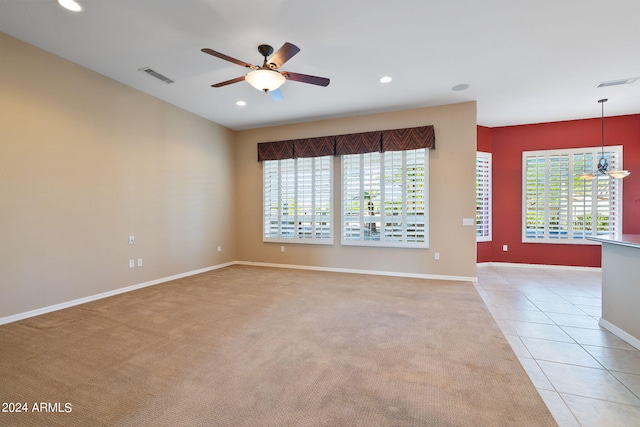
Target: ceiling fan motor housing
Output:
[{"x": 265, "y": 50}]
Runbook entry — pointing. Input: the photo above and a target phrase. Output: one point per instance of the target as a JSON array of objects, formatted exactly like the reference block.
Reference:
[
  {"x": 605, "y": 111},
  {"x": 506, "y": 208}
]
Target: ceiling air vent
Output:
[
  {"x": 156, "y": 74},
  {"x": 617, "y": 82}
]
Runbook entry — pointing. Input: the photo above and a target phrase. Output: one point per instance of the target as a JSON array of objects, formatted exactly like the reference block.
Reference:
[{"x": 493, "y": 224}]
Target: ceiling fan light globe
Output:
[
  {"x": 70, "y": 5},
  {"x": 619, "y": 174},
  {"x": 587, "y": 176},
  {"x": 265, "y": 80}
]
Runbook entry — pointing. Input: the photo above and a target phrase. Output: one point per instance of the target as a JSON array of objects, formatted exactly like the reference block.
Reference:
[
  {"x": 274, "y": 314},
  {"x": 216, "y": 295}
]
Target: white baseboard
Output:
[
  {"x": 39, "y": 311},
  {"x": 373, "y": 272},
  {"x": 623, "y": 335},
  {"x": 48, "y": 309},
  {"x": 542, "y": 266}
]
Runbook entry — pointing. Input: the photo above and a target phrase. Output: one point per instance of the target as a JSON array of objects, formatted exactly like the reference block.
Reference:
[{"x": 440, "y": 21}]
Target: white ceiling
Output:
[{"x": 526, "y": 61}]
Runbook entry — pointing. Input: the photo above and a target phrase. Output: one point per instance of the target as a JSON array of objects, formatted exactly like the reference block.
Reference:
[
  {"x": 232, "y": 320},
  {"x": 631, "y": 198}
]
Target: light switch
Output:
[
  {"x": 132, "y": 240},
  {"x": 468, "y": 221}
]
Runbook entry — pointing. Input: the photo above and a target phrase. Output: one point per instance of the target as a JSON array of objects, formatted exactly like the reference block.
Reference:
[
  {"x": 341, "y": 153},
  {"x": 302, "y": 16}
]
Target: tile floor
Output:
[{"x": 586, "y": 375}]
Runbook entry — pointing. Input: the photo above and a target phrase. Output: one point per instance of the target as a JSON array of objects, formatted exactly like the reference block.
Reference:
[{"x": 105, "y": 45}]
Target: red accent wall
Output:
[{"x": 508, "y": 143}]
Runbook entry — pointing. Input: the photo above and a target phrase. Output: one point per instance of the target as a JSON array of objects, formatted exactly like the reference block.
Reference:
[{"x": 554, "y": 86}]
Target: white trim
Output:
[
  {"x": 354, "y": 271},
  {"x": 315, "y": 164},
  {"x": 568, "y": 177},
  {"x": 44, "y": 310},
  {"x": 378, "y": 160},
  {"x": 542, "y": 266},
  {"x": 625, "y": 336},
  {"x": 295, "y": 240},
  {"x": 56, "y": 307},
  {"x": 487, "y": 159}
]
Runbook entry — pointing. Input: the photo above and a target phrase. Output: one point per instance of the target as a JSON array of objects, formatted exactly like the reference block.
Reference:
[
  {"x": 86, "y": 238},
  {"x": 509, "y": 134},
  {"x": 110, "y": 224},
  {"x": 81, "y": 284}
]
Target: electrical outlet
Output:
[
  {"x": 436, "y": 255},
  {"x": 505, "y": 248},
  {"x": 132, "y": 263},
  {"x": 139, "y": 262},
  {"x": 281, "y": 248},
  {"x": 219, "y": 248}
]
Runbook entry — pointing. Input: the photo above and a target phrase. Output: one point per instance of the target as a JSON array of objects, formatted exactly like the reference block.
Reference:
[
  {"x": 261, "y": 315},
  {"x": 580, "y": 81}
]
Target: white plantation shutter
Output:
[
  {"x": 322, "y": 193},
  {"x": 583, "y": 190},
  {"x": 287, "y": 198},
  {"x": 483, "y": 197},
  {"x": 271, "y": 192},
  {"x": 561, "y": 207},
  {"x": 558, "y": 180},
  {"x": 415, "y": 183},
  {"x": 534, "y": 197},
  {"x": 352, "y": 187},
  {"x": 384, "y": 199},
  {"x": 297, "y": 200}
]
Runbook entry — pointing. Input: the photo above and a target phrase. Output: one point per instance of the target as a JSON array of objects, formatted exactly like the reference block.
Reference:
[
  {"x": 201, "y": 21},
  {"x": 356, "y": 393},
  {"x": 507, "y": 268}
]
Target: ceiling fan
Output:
[{"x": 268, "y": 77}]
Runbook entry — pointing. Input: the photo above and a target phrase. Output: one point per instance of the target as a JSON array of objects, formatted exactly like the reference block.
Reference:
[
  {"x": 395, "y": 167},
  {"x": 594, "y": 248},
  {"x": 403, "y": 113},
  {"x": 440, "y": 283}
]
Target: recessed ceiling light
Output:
[
  {"x": 241, "y": 103},
  {"x": 385, "y": 79},
  {"x": 71, "y": 5},
  {"x": 462, "y": 86}
]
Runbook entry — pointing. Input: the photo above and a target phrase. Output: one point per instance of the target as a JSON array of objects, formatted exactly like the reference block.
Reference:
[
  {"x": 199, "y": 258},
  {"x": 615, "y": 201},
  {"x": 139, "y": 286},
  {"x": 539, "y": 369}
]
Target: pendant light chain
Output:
[{"x": 602, "y": 101}]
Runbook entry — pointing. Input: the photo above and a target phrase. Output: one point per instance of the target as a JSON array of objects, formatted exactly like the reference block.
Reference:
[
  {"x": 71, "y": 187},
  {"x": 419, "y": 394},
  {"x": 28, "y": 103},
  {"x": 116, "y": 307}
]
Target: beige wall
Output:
[
  {"x": 452, "y": 196},
  {"x": 84, "y": 163}
]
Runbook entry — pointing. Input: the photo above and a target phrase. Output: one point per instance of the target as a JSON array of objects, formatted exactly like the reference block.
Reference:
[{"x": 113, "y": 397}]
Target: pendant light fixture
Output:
[{"x": 603, "y": 164}]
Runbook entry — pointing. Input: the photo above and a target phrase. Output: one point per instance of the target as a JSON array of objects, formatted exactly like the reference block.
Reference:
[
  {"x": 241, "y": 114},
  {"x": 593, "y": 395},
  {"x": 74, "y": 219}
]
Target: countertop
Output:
[{"x": 631, "y": 240}]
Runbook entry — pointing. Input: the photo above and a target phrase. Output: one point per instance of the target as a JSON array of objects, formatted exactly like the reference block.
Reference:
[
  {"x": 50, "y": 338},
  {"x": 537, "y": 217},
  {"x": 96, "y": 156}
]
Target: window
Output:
[
  {"x": 297, "y": 200},
  {"x": 561, "y": 207},
  {"x": 483, "y": 197},
  {"x": 384, "y": 199}
]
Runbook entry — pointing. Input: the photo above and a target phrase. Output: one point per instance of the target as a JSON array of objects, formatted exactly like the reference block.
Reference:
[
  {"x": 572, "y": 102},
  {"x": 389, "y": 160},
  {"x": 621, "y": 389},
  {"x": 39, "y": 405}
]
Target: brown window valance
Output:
[
  {"x": 314, "y": 147},
  {"x": 355, "y": 143},
  {"x": 409, "y": 139},
  {"x": 275, "y": 150},
  {"x": 358, "y": 143}
]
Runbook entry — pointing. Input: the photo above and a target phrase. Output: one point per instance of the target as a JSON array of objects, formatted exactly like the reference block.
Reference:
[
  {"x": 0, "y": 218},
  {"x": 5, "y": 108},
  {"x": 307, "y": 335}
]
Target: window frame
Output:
[
  {"x": 386, "y": 240},
  {"x": 484, "y": 197},
  {"x": 296, "y": 165},
  {"x": 573, "y": 169}
]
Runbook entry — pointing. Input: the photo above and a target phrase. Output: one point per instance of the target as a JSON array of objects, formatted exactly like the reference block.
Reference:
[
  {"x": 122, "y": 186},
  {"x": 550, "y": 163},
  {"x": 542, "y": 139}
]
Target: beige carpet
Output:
[{"x": 252, "y": 346}]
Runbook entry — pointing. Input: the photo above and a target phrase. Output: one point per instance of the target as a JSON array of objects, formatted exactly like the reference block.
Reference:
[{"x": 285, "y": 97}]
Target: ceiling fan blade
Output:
[
  {"x": 227, "y": 58},
  {"x": 285, "y": 53},
  {"x": 228, "y": 82},
  {"x": 305, "y": 78},
  {"x": 276, "y": 95}
]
